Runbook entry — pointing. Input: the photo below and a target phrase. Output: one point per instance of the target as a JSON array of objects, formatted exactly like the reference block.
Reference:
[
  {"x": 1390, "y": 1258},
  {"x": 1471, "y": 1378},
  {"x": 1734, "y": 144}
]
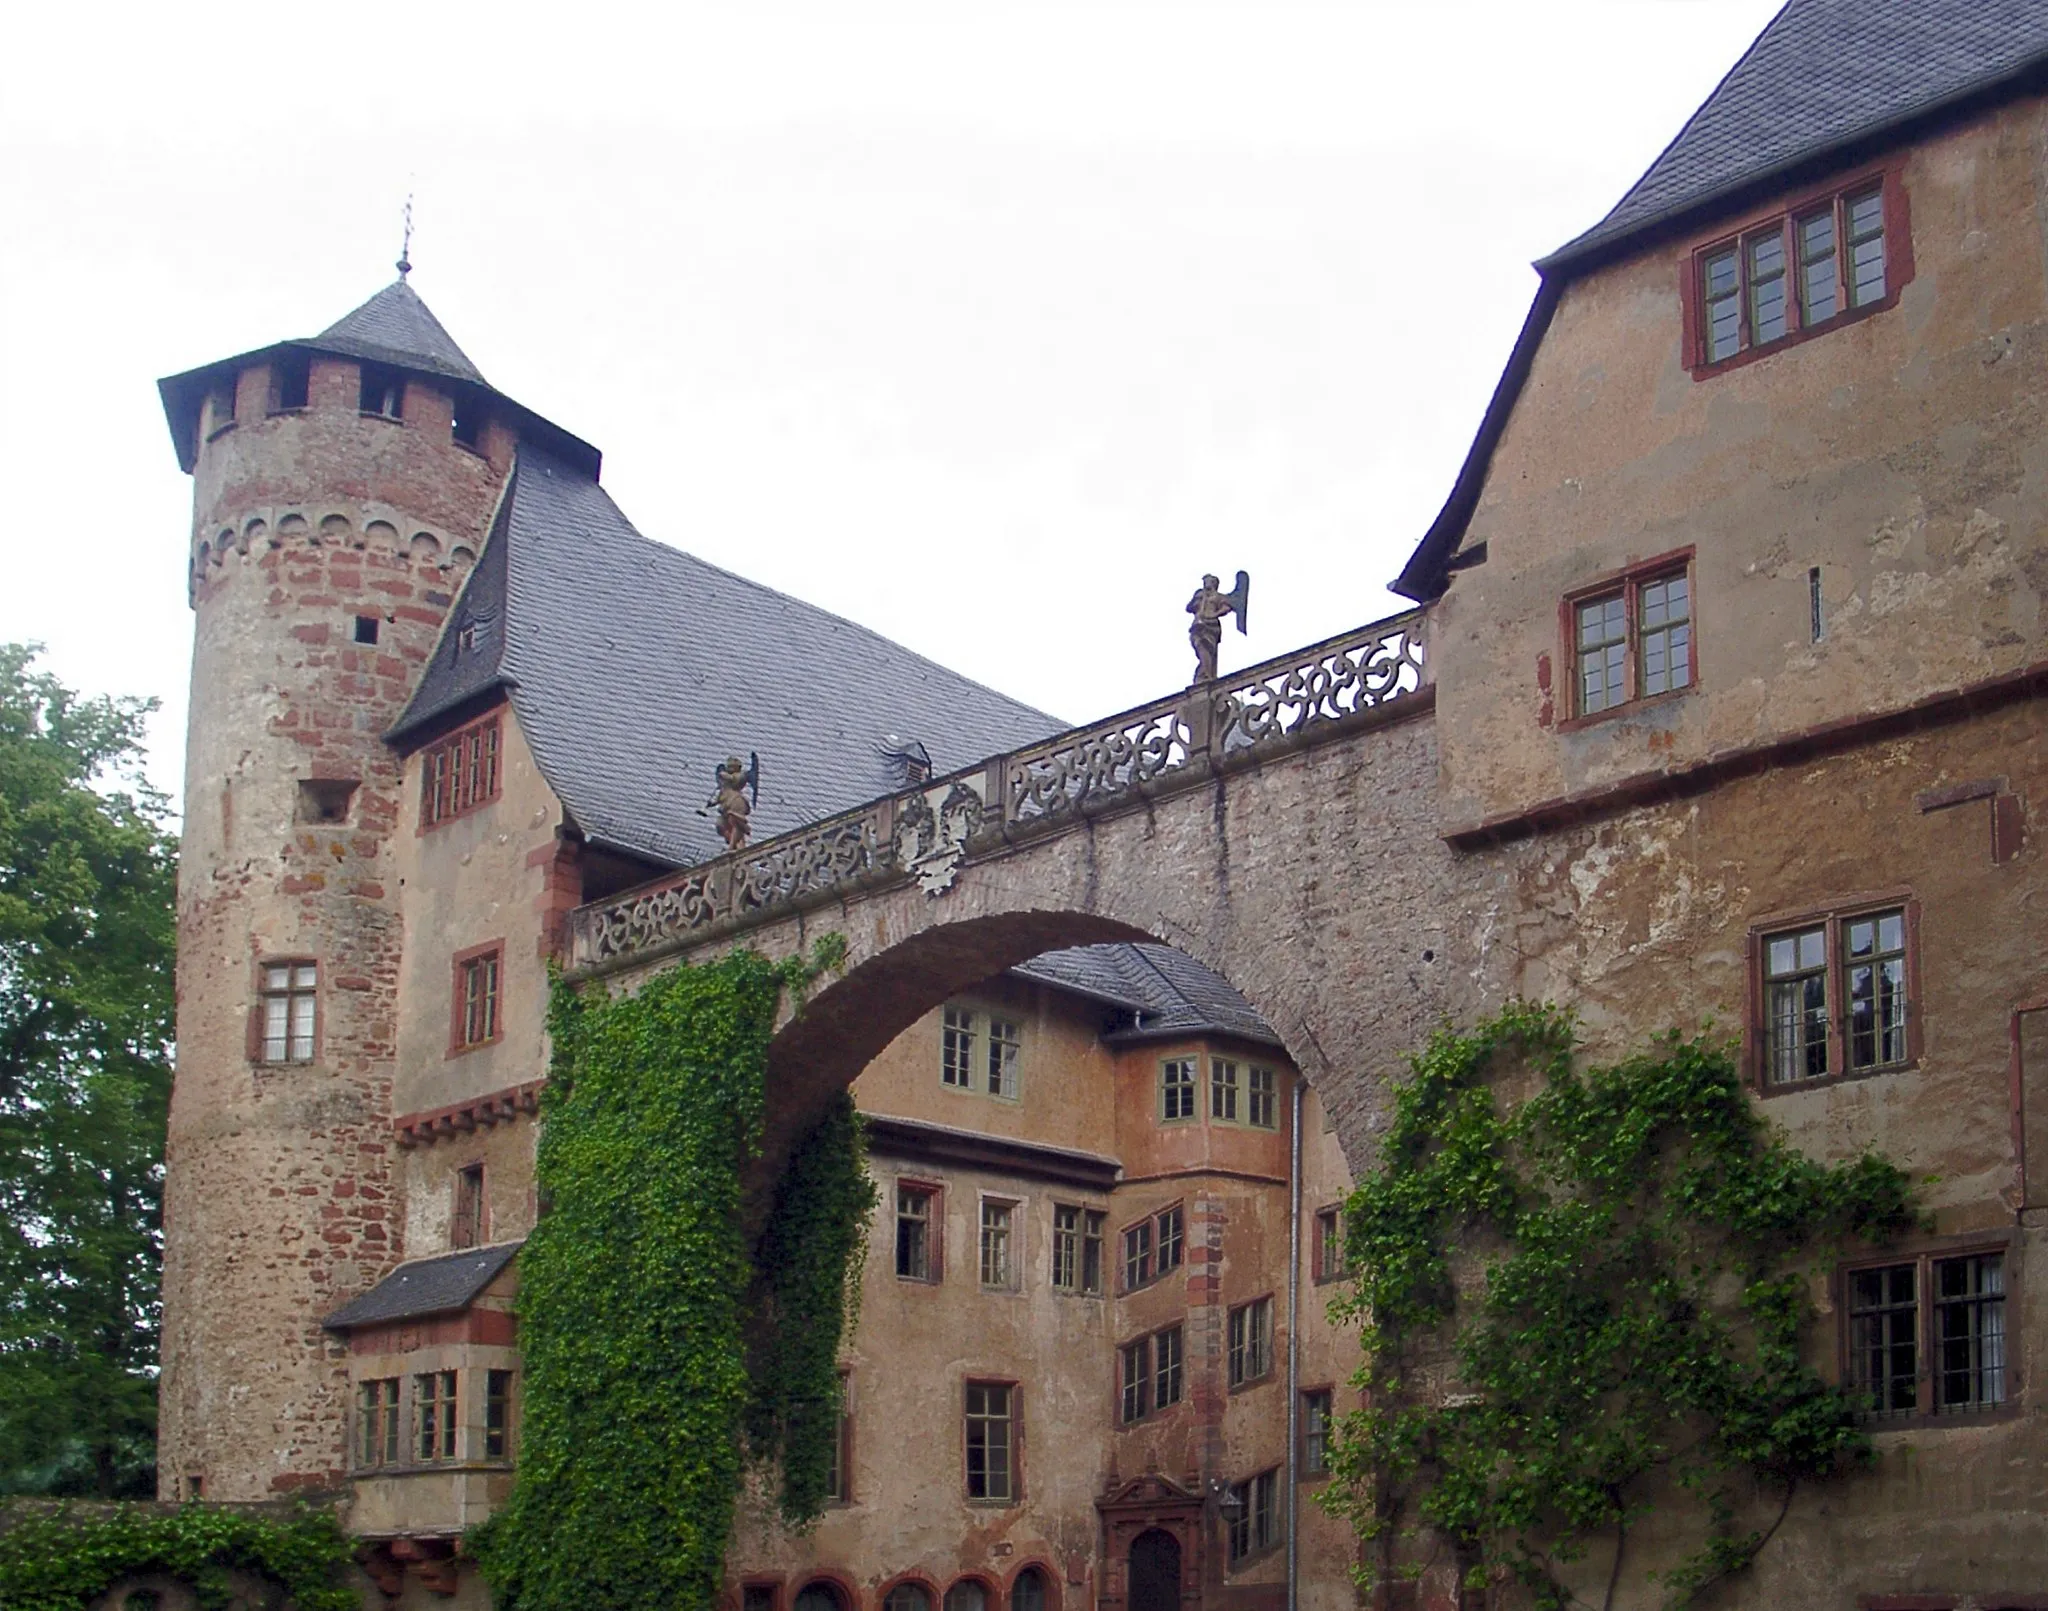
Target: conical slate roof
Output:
[{"x": 396, "y": 327}]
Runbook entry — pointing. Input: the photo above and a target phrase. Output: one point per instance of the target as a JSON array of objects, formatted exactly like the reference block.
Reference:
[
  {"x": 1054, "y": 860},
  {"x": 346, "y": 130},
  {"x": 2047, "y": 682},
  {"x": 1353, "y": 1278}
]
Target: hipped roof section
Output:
[
  {"x": 635, "y": 669},
  {"x": 395, "y": 328},
  {"x": 1825, "y": 82},
  {"x": 1158, "y": 993}
]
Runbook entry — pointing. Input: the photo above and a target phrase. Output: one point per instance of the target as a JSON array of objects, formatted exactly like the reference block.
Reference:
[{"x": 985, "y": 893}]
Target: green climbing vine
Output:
[
  {"x": 652, "y": 1343},
  {"x": 1582, "y": 1304},
  {"x": 68, "y": 1559}
]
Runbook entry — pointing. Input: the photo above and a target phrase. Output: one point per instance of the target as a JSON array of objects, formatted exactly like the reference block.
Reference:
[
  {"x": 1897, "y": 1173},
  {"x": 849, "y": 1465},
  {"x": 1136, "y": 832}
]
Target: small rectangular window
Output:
[
  {"x": 290, "y": 1000},
  {"x": 291, "y": 376},
  {"x": 366, "y": 628},
  {"x": 469, "y": 1229},
  {"x": 1091, "y": 1251},
  {"x": 1252, "y": 1528},
  {"x": 956, "y": 1048},
  {"x": 1167, "y": 1367},
  {"x": 1833, "y": 994},
  {"x": 220, "y": 405},
  {"x": 383, "y": 392},
  {"x": 991, "y": 1427},
  {"x": 434, "y": 1415},
  {"x": 377, "y": 1423},
  {"x": 1251, "y": 1341},
  {"x": 1137, "y": 1256},
  {"x": 1005, "y": 1040},
  {"x": 459, "y": 774},
  {"x": 1177, "y": 1089},
  {"x": 998, "y": 1269},
  {"x": 1223, "y": 1089},
  {"x": 476, "y": 999},
  {"x": 498, "y": 1415},
  {"x": 1137, "y": 1380},
  {"x": 467, "y": 428},
  {"x": 1315, "y": 1433},
  {"x": 1172, "y": 1237},
  {"x": 1262, "y": 1098},
  {"x": 1969, "y": 1333},
  {"x": 1328, "y": 1253},
  {"x": 1632, "y": 641},
  {"x": 916, "y": 1245},
  {"x": 1066, "y": 1248},
  {"x": 758, "y": 1597}
]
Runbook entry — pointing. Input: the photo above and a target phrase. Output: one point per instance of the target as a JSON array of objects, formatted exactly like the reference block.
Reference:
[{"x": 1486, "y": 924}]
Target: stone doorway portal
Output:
[{"x": 1155, "y": 1571}]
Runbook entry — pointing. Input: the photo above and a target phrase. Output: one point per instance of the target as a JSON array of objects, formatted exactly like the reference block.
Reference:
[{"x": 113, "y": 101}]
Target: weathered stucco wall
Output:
[{"x": 1902, "y": 454}]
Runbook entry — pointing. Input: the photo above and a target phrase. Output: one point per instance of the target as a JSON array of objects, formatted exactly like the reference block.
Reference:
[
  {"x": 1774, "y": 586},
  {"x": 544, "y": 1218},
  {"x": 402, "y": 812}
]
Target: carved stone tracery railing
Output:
[{"x": 1315, "y": 694}]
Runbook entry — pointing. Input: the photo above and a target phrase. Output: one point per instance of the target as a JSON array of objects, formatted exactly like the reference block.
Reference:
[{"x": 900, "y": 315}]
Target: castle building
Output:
[{"x": 1734, "y": 625}]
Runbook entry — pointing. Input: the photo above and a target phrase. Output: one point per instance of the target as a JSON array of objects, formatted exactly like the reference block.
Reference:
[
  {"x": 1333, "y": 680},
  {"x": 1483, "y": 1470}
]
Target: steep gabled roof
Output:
[
  {"x": 1165, "y": 993},
  {"x": 635, "y": 669},
  {"x": 396, "y": 327},
  {"x": 1824, "y": 82}
]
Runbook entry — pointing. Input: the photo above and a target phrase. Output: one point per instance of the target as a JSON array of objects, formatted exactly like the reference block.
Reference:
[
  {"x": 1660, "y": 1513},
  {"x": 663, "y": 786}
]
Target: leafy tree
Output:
[
  {"x": 87, "y": 916},
  {"x": 1587, "y": 1304}
]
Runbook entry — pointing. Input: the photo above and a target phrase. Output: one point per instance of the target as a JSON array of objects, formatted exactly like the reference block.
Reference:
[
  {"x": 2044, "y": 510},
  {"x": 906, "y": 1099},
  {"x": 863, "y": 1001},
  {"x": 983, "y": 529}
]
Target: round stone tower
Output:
[{"x": 342, "y": 486}]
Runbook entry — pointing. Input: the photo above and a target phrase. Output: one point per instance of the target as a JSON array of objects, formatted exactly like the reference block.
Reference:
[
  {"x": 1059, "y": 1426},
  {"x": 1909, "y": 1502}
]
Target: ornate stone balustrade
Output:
[{"x": 1307, "y": 697}]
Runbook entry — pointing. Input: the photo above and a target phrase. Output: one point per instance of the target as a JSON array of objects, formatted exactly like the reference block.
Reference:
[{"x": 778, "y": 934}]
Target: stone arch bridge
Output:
[{"x": 1278, "y": 825}]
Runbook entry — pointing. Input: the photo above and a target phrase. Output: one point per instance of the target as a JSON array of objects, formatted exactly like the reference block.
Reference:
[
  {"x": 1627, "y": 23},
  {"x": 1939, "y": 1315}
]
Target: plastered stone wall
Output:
[
  {"x": 1902, "y": 454},
  {"x": 279, "y": 1197}
]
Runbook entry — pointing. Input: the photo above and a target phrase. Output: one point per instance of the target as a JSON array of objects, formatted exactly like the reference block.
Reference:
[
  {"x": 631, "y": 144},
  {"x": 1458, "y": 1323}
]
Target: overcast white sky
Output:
[{"x": 991, "y": 326}]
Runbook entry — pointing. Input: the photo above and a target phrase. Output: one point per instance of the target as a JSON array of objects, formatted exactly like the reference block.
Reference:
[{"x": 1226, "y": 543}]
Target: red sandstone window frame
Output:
[
  {"x": 1783, "y": 216},
  {"x": 477, "y": 1020},
  {"x": 450, "y": 769},
  {"x": 1830, "y": 917},
  {"x": 259, "y": 1038},
  {"x": 934, "y": 1194},
  {"x": 1924, "y": 1255},
  {"x": 1627, "y": 584}
]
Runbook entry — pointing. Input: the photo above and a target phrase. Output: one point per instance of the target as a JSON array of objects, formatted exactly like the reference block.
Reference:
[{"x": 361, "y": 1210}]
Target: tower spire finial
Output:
[{"x": 405, "y": 250}]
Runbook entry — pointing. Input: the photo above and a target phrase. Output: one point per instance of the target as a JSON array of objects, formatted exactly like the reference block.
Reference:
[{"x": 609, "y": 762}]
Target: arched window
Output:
[
  {"x": 1028, "y": 1592},
  {"x": 908, "y": 1597},
  {"x": 819, "y": 1595},
  {"x": 967, "y": 1595}
]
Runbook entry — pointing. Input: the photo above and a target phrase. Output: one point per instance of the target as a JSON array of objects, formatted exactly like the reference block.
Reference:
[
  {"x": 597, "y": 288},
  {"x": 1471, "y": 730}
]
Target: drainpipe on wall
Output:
[{"x": 1294, "y": 1351}]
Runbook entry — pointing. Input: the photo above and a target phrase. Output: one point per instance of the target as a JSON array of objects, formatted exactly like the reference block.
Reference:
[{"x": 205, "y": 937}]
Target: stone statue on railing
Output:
[
  {"x": 735, "y": 810},
  {"x": 1209, "y": 606}
]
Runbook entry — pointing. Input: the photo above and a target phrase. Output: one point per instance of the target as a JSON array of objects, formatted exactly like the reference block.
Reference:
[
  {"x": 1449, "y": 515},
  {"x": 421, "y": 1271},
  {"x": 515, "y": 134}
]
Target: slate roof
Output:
[
  {"x": 1165, "y": 993},
  {"x": 636, "y": 668},
  {"x": 1824, "y": 81},
  {"x": 426, "y": 1287},
  {"x": 1824, "y": 75},
  {"x": 396, "y": 327}
]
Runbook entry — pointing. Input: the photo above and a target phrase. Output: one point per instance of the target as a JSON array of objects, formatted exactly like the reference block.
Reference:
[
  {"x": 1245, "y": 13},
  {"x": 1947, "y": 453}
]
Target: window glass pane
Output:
[
  {"x": 967, "y": 1595},
  {"x": 1720, "y": 273},
  {"x": 1970, "y": 1332},
  {"x": 1222, "y": 1089},
  {"x": 1004, "y": 1041},
  {"x": 302, "y": 1029},
  {"x": 1817, "y": 267},
  {"x": 1028, "y": 1592},
  {"x": 1091, "y": 1251},
  {"x": 277, "y": 978},
  {"x": 1602, "y": 621},
  {"x": 1767, "y": 288},
  {"x": 995, "y": 1244},
  {"x": 1138, "y": 1255},
  {"x": 1166, "y": 1382},
  {"x": 1884, "y": 1360},
  {"x": 1066, "y": 1248},
  {"x": 1170, "y": 1240},
  {"x": 1137, "y": 1378},
  {"x": 1866, "y": 272},
  {"x": 956, "y": 1048},
  {"x": 913, "y": 1234},
  {"x": 907, "y": 1597},
  {"x": 305, "y": 976},
  {"x": 1876, "y": 981},
  {"x": 1866, "y": 215}
]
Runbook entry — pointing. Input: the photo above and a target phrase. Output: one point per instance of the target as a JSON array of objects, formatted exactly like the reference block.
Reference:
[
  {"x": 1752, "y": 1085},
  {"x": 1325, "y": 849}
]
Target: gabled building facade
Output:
[{"x": 1735, "y": 640}]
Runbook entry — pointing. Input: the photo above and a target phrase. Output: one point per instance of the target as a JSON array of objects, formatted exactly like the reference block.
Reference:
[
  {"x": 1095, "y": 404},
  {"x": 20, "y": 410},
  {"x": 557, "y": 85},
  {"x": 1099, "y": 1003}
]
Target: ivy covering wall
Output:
[
  {"x": 1586, "y": 1305},
  {"x": 65, "y": 1561},
  {"x": 654, "y": 1341}
]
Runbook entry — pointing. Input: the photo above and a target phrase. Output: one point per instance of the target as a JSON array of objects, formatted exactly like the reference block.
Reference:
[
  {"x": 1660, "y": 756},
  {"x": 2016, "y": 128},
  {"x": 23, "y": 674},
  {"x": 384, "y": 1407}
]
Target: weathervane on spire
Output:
[{"x": 405, "y": 250}]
